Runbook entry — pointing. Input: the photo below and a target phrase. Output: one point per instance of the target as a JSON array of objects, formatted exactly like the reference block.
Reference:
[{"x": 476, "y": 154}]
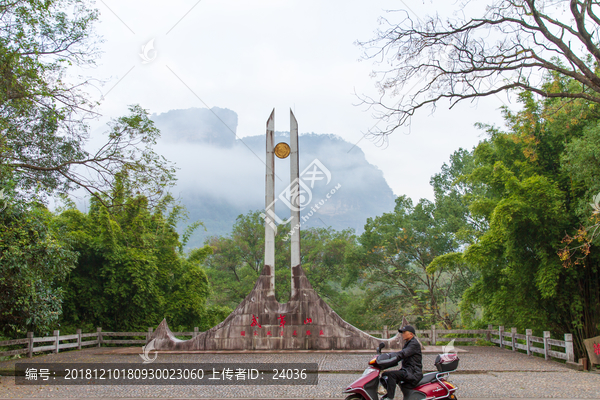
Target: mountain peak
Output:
[{"x": 220, "y": 177}]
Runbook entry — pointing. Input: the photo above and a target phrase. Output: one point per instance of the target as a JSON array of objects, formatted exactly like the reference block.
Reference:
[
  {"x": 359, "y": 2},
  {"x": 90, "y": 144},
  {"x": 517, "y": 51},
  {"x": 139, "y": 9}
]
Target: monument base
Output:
[{"x": 260, "y": 322}]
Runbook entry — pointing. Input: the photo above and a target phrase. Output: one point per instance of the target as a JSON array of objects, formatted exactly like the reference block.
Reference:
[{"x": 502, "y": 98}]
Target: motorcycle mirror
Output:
[{"x": 381, "y": 346}]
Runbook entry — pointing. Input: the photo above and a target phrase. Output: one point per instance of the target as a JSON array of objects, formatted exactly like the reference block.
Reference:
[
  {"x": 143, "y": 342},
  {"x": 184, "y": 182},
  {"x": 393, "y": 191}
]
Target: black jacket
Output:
[{"x": 412, "y": 361}]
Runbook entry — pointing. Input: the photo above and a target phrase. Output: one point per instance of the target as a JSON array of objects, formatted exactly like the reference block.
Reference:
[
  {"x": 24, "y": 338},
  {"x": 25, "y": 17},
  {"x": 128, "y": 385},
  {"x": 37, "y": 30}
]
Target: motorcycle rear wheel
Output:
[{"x": 354, "y": 397}]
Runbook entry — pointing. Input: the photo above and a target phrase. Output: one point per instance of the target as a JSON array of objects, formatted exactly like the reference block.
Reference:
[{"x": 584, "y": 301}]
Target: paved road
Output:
[{"x": 484, "y": 372}]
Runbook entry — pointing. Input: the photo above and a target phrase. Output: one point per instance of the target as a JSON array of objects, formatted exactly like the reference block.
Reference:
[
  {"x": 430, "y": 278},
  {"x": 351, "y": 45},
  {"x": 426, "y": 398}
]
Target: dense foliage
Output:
[
  {"x": 532, "y": 186},
  {"x": 44, "y": 151},
  {"x": 33, "y": 265},
  {"x": 396, "y": 250},
  {"x": 131, "y": 273}
]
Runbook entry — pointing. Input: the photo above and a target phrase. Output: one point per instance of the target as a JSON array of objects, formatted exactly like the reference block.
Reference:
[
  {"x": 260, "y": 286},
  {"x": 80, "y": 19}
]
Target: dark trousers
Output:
[{"x": 389, "y": 380}]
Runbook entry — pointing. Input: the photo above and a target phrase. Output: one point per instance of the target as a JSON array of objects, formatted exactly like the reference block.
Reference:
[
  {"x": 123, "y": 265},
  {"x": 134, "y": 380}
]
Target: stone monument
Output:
[{"x": 260, "y": 322}]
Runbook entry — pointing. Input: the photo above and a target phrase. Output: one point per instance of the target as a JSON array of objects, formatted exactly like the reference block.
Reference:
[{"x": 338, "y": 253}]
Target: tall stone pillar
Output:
[
  {"x": 269, "y": 270},
  {"x": 295, "y": 201}
]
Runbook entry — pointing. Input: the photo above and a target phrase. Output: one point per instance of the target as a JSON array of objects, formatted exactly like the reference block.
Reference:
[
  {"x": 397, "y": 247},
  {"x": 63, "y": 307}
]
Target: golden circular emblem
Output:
[{"x": 282, "y": 150}]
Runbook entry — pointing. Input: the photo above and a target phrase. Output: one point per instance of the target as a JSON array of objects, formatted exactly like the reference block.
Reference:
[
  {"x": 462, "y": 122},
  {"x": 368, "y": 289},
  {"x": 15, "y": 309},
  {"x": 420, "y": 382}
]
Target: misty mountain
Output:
[{"x": 221, "y": 176}]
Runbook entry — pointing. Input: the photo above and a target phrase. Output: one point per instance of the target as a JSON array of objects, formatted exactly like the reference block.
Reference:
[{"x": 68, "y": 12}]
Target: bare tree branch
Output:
[{"x": 515, "y": 45}]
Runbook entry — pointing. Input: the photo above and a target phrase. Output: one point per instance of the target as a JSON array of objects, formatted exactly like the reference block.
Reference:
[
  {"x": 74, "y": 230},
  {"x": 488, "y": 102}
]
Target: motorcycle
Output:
[{"x": 433, "y": 386}]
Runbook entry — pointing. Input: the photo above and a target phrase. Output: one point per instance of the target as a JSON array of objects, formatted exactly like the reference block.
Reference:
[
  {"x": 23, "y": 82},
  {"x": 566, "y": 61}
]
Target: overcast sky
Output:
[{"x": 253, "y": 56}]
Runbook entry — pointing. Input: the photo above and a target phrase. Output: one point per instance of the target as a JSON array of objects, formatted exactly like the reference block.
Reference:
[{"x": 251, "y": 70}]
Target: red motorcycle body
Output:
[{"x": 432, "y": 386}]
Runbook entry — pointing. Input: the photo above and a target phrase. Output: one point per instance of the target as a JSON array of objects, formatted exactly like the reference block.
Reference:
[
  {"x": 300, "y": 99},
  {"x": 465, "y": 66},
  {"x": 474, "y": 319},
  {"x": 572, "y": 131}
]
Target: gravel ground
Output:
[
  {"x": 473, "y": 359},
  {"x": 484, "y": 372},
  {"x": 486, "y": 385}
]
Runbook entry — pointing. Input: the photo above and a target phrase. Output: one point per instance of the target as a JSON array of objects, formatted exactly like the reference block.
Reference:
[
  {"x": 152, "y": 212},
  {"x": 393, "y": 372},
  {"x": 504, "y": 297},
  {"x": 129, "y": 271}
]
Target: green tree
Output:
[
  {"x": 396, "y": 250},
  {"x": 531, "y": 184},
  {"x": 33, "y": 265},
  {"x": 453, "y": 194},
  {"x": 131, "y": 272},
  {"x": 323, "y": 257}
]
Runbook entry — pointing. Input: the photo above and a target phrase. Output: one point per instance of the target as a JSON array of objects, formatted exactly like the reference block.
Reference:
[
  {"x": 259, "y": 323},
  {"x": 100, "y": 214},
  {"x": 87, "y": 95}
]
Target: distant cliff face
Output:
[{"x": 221, "y": 177}]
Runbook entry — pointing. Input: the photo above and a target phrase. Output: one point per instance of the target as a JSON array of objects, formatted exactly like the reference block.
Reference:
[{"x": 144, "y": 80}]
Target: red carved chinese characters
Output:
[
  {"x": 281, "y": 319},
  {"x": 307, "y": 333},
  {"x": 294, "y": 333},
  {"x": 243, "y": 333},
  {"x": 321, "y": 332},
  {"x": 308, "y": 321},
  {"x": 597, "y": 349},
  {"x": 255, "y": 322}
]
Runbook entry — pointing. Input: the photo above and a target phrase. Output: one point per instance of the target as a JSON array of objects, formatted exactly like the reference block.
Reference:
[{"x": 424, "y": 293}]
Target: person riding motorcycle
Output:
[{"x": 412, "y": 367}]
